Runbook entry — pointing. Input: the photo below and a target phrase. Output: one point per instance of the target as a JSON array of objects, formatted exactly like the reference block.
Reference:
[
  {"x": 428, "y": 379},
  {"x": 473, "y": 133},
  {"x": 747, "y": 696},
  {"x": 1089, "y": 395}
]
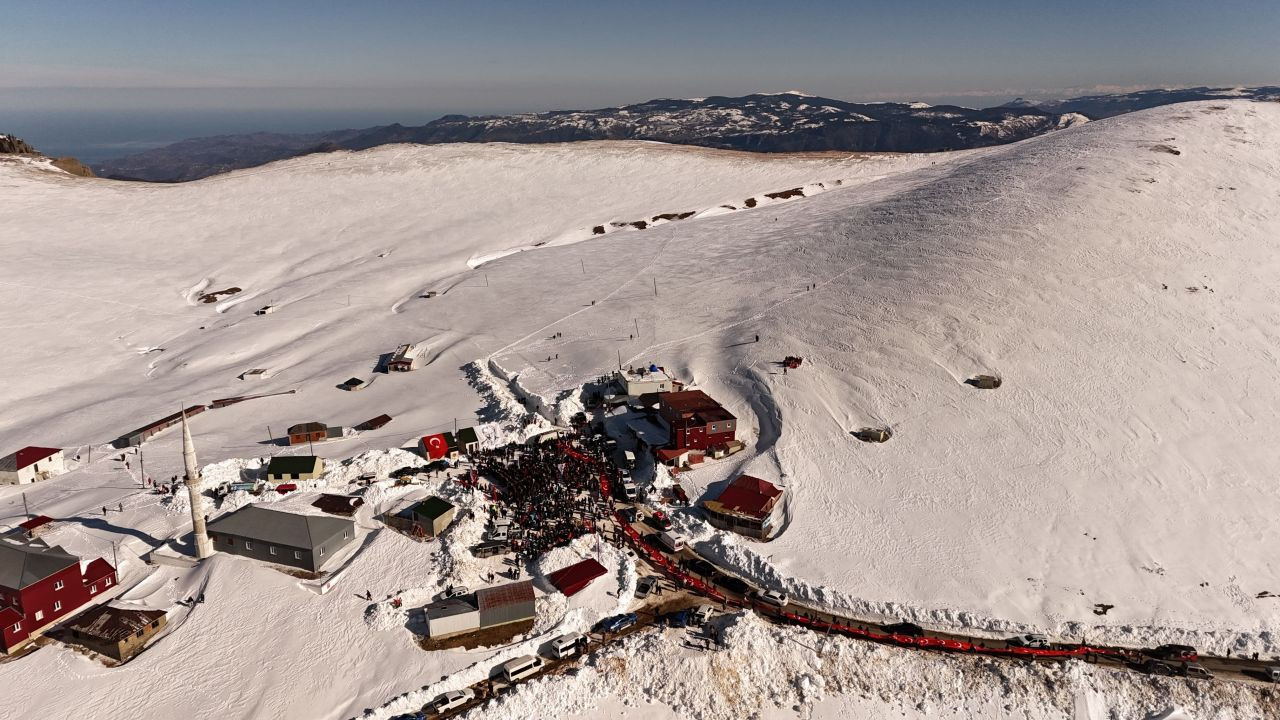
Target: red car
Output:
[{"x": 661, "y": 520}]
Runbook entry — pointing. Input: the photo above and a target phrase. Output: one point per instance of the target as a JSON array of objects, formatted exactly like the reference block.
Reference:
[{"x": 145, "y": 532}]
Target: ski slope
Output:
[{"x": 1126, "y": 460}]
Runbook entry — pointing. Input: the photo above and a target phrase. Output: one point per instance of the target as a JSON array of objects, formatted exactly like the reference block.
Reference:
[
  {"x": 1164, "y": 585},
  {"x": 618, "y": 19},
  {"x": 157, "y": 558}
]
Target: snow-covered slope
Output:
[{"x": 1126, "y": 460}]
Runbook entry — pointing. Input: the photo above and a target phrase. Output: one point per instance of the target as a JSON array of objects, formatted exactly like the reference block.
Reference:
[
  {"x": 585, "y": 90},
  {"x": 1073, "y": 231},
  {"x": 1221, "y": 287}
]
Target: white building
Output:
[
  {"x": 31, "y": 464},
  {"x": 642, "y": 381}
]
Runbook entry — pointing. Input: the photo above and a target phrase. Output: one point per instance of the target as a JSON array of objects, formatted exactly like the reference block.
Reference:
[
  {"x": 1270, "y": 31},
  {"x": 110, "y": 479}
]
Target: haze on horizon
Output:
[{"x": 76, "y": 67}]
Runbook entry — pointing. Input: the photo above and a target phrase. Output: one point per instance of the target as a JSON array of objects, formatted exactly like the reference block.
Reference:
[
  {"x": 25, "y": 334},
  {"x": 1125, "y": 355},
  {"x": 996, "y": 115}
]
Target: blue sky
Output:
[{"x": 403, "y": 60}]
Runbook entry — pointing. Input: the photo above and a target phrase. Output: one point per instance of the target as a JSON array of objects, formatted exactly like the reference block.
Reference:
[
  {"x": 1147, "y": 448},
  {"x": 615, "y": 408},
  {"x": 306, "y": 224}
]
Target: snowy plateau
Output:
[{"x": 1119, "y": 276}]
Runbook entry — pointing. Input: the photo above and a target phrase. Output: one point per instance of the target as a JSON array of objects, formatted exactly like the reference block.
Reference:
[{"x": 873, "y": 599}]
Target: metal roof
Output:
[
  {"x": 504, "y": 595},
  {"x": 282, "y": 528},
  {"x": 451, "y": 607},
  {"x": 570, "y": 580},
  {"x": 292, "y": 464},
  {"x": 307, "y": 428},
  {"x": 433, "y": 507},
  {"x": 23, "y": 564},
  {"x": 26, "y": 456},
  {"x": 749, "y": 496}
]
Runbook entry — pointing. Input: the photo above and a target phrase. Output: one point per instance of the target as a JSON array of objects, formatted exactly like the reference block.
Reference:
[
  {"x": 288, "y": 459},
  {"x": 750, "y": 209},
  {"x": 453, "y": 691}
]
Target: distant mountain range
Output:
[{"x": 782, "y": 122}]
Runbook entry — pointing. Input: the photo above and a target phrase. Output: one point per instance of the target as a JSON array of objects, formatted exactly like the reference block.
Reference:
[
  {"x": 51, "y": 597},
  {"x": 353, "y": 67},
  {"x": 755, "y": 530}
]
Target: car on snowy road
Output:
[
  {"x": 452, "y": 700},
  {"x": 1173, "y": 652},
  {"x": 733, "y": 584},
  {"x": 660, "y": 520},
  {"x": 1034, "y": 641},
  {"x": 454, "y": 591},
  {"x": 904, "y": 628},
  {"x": 773, "y": 597},
  {"x": 646, "y": 585},
  {"x": 700, "y": 567},
  {"x": 617, "y": 623}
]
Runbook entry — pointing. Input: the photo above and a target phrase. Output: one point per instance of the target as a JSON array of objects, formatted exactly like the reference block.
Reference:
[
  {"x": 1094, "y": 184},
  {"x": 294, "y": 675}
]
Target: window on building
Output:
[
  {"x": 138, "y": 634},
  {"x": 39, "y": 615},
  {"x": 17, "y": 627},
  {"x": 57, "y": 605},
  {"x": 106, "y": 582},
  {"x": 248, "y": 545},
  {"x": 231, "y": 541},
  {"x": 155, "y": 623},
  {"x": 297, "y": 554},
  {"x": 322, "y": 551},
  {"x": 57, "y": 585},
  {"x": 93, "y": 589},
  {"x": 272, "y": 549}
]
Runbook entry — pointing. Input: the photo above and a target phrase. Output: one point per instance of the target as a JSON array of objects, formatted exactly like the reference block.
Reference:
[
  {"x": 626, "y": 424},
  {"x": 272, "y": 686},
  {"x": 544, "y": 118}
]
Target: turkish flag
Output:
[{"x": 435, "y": 446}]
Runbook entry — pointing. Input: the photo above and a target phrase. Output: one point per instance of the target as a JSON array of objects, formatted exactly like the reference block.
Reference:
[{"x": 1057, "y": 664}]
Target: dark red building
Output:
[
  {"x": 696, "y": 421},
  {"x": 573, "y": 579},
  {"x": 40, "y": 585}
]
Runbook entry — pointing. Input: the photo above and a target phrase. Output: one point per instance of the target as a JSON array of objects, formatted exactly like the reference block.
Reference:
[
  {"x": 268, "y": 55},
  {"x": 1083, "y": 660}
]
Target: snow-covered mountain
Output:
[
  {"x": 780, "y": 122},
  {"x": 1097, "y": 107},
  {"x": 1120, "y": 276}
]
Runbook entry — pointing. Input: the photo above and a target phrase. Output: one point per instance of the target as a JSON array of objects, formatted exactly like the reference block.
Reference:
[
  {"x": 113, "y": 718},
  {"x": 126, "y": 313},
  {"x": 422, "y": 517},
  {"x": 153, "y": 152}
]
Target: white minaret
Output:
[{"x": 203, "y": 547}]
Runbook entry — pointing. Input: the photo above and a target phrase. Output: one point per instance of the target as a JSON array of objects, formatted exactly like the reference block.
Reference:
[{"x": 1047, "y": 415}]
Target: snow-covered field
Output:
[{"x": 1126, "y": 460}]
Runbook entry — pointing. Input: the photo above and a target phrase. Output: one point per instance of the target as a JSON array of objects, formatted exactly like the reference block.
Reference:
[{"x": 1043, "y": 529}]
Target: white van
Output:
[
  {"x": 521, "y": 668},
  {"x": 701, "y": 614},
  {"x": 674, "y": 543},
  {"x": 629, "y": 490},
  {"x": 499, "y": 535},
  {"x": 567, "y": 645}
]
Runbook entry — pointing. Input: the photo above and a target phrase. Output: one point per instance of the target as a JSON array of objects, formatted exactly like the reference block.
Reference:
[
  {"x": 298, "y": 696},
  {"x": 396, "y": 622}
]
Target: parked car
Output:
[
  {"x": 773, "y": 597},
  {"x": 1272, "y": 673},
  {"x": 1159, "y": 667},
  {"x": 701, "y": 614},
  {"x": 1173, "y": 652},
  {"x": 1039, "y": 642},
  {"x": 454, "y": 591},
  {"x": 701, "y": 567},
  {"x": 628, "y": 514},
  {"x": 1196, "y": 670},
  {"x": 646, "y": 585},
  {"x": 733, "y": 584},
  {"x": 904, "y": 628},
  {"x": 617, "y": 623},
  {"x": 453, "y": 700},
  {"x": 660, "y": 520}
]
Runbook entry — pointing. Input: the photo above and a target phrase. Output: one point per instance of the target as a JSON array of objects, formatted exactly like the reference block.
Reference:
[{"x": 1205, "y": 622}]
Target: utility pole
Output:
[
  {"x": 619, "y": 359},
  {"x": 311, "y": 446},
  {"x": 637, "y": 321},
  {"x": 25, "y": 510},
  {"x": 115, "y": 558},
  {"x": 271, "y": 438},
  {"x": 584, "y": 265},
  {"x": 486, "y": 279},
  {"x": 142, "y": 467},
  {"x": 655, "y": 286}
]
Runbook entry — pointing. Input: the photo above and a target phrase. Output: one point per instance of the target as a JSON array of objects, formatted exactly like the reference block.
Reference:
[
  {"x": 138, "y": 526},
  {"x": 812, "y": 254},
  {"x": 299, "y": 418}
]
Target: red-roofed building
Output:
[
  {"x": 34, "y": 527},
  {"x": 573, "y": 579},
  {"x": 31, "y": 464},
  {"x": 697, "y": 421},
  {"x": 748, "y": 506},
  {"x": 39, "y": 585}
]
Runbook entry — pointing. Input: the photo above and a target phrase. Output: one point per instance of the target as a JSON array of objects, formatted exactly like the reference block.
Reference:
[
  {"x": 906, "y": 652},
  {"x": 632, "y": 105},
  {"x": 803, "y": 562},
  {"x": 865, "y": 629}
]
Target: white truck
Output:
[{"x": 671, "y": 541}]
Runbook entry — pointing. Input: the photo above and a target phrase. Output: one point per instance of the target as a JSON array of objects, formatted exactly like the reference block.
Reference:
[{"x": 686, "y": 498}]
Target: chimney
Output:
[{"x": 203, "y": 547}]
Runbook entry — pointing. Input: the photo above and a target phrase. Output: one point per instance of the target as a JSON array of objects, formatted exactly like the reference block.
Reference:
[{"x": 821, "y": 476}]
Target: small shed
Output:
[
  {"x": 255, "y": 374},
  {"x": 404, "y": 359},
  {"x": 353, "y": 384},
  {"x": 303, "y": 433},
  {"x": 434, "y": 514},
  {"x": 984, "y": 382},
  {"x": 467, "y": 440},
  {"x": 873, "y": 435},
  {"x": 453, "y": 616},
  {"x": 265, "y": 310},
  {"x": 36, "y": 526},
  {"x": 573, "y": 579},
  {"x": 118, "y": 633},
  {"x": 504, "y": 604},
  {"x": 374, "y": 423},
  {"x": 284, "y": 468}
]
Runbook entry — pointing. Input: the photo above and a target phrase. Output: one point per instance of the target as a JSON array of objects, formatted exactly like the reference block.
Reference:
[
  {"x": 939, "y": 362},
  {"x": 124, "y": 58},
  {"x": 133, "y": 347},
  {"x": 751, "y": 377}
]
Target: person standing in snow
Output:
[{"x": 757, "y": 338}]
